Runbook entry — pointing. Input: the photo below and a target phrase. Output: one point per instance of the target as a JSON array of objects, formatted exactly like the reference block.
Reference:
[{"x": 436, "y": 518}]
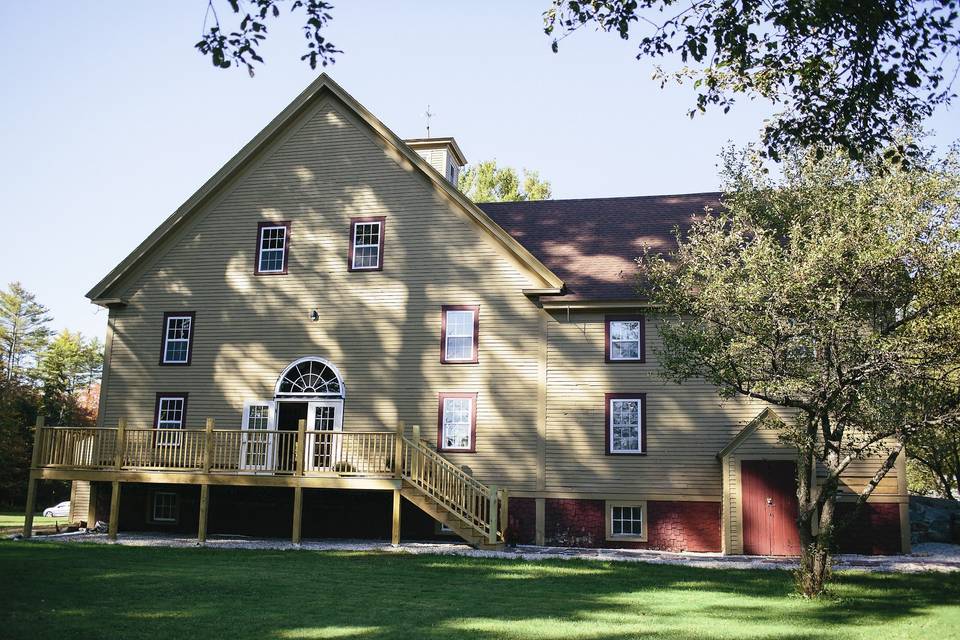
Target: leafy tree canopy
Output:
[
  {"x": 486, "y": 182},
  {"x": 846, "y": 74},
  {"x": 832, "y": 292}
]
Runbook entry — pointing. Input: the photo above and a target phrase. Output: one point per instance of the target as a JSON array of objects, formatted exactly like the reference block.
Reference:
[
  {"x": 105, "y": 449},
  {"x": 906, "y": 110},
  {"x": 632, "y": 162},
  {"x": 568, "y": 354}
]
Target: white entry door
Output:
[
  {"x": 258, "y": 440},
  {"x": 324, "y": 418}
]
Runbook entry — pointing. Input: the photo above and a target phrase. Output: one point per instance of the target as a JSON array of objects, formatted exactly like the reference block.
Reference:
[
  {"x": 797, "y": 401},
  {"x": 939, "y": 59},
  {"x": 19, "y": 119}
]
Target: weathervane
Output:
[{"x": 428, "y": 115}]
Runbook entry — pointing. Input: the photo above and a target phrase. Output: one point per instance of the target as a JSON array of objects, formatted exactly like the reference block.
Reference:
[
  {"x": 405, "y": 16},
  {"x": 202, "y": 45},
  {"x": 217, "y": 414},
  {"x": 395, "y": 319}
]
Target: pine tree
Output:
[{"x": 23, "y": 329}]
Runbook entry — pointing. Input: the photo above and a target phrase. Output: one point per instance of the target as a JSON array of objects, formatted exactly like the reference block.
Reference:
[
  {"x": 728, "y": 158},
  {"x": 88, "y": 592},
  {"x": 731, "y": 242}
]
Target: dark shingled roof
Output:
[{"x": 592, "y": 243}]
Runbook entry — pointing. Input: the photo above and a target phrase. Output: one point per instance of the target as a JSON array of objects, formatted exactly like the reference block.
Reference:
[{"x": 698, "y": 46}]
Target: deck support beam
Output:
[
  {"x": 204, "y": 510},
  {"x": 297, "y": 513},
  {"x": 540, "y": 530},
  {"x": 92, "y": 507},
  {"x": 395, "y": 530},
  {"x": 114, "y": 511},
  {"x": 32, "y": 482}
]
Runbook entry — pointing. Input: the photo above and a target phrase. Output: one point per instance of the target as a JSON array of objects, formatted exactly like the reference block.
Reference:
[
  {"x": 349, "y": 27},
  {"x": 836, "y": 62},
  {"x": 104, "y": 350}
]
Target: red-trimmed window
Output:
[
  {"x": 624, "y": 338},
  {"x": 457, "y": 422},
  {"x": 626, "y": 429},
  {"x": 273, "y": 248},
  {"x": 176, "y": 346},
  {"x": 170, "y": 413},
  {"x": 460, "y": 334},
  {"x": 366, "y": 244}
]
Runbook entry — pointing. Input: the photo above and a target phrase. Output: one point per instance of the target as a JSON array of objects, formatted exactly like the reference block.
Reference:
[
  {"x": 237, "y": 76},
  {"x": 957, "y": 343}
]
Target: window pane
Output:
[
  {"x": 273, "y": 241},
  {"x": 366, "y": 257},
  {"x": 625, "y": 425},
  {"x": 624, "y": 330},
  {"x": 621, "y": 350},
  {"x": 457, "y": 415},
  {"x": 459, "y": 348}
]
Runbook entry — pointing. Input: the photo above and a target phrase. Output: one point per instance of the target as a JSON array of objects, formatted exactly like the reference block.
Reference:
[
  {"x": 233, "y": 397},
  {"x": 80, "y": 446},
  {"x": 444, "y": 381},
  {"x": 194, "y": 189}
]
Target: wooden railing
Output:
[
  {"x": 481, "y": 507},
  {"x": 306, "y": 453},
  {"x": 340, "y": 453}
]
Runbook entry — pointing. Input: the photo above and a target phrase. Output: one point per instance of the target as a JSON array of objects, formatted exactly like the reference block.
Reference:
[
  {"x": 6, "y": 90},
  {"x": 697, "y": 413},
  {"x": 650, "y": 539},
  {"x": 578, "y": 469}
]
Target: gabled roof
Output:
[
  {"x": 592, "y": 244},
  {"x": 766, "y": 416},
  {"x": 319, "y": 88}
]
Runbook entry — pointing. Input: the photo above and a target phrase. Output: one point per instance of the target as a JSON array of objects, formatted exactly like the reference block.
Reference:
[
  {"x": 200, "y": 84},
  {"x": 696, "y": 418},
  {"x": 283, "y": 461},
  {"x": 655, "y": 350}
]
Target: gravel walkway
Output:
[{"x": 925, "y": 557}]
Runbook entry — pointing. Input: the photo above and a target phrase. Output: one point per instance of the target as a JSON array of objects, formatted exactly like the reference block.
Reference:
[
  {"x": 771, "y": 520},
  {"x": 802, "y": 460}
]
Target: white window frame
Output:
[
  {"x": 165, "y": 438},
  {"x": 282, "y": 250},
  {"x": 639, "y": 342},
  {"x": 256, "y": 437},
  {"x": 627, "y": 537},
  {"x": 175, "y": 517},
  {"x": 167, "y": 339},
  {"x": 471, "y": 421},
  {"x": 640, "y": 426},
  {"x": 356, "y": 228},
  {"x": 474, "y": 341}
]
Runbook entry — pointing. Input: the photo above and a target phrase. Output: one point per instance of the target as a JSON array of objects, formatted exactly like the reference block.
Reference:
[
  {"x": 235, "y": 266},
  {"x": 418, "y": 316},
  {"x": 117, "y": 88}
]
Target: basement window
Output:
[
  {"x": 165, "y": 507},
  {"x": 627, "y": 521}
]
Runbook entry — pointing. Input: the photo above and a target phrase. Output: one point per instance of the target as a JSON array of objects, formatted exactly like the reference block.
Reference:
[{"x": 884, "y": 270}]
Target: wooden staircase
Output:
[{"x": 472, "y": 510}]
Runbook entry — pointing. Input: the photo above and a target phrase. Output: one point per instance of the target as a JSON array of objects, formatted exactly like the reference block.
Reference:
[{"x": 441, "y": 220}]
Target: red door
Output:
[{"x": 770, "y": 508}]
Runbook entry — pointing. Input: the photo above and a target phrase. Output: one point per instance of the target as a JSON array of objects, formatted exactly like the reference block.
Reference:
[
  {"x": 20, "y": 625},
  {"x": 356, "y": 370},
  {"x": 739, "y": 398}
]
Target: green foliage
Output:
[
  {"x": 846, "y": 74},
  {"x": 240, "y": 47},
  {"x": 485, "y": 182},
  {"x": 23, "y": 329},
  {"x": 68, "y": 364},
  {"x": 834, "y": 292},
  {"x": 934, "y": 465}
]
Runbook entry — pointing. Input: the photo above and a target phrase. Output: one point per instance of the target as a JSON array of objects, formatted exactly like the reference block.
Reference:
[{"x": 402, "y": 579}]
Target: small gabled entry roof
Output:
[
  {"x": 764, "y": 417},
  {"x": 324, "y": 85}
]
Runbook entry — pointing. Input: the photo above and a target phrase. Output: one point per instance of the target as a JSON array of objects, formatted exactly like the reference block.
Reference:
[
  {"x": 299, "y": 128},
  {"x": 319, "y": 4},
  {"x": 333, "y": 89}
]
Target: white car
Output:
[{"x": 61, "y": 510}]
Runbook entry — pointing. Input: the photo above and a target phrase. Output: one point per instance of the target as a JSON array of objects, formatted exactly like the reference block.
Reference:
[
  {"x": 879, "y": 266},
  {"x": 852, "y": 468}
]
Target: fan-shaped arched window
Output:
[{"x": 310, "y": 377}]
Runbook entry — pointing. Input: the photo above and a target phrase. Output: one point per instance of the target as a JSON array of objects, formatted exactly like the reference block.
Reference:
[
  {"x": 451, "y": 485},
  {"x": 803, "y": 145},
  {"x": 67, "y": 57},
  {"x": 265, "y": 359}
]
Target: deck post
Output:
[
  {"x": 208, "y": 445},
  {"x": 297, "y": 511},
  {"x": 398, "y": 451},
  {"x": 204, "y": 510},
  {"x": 395, "y": 531},
  {"x": 540, "y": 530},
  {"x": 121, "y": 444},
  {"x": 416, "y": 433},
  {"x": 114, "y": 511},
  {"x": 504, "y": 511},
  {"x": 301, "y": 446},
  {"x": 492, "y": 536},
  {"x": 92, "y": 507},
  {"x": 32, "y": 482}
]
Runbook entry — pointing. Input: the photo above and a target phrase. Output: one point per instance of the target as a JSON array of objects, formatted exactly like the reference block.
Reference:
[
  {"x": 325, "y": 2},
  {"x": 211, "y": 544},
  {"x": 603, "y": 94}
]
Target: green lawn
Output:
[
  {"x": 14, "y": 521},
  {"x": 86, "y": 591}
]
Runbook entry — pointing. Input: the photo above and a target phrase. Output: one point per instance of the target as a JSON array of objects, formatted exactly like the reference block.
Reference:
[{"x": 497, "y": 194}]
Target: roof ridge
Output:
[{"x": 661, "y": 195}]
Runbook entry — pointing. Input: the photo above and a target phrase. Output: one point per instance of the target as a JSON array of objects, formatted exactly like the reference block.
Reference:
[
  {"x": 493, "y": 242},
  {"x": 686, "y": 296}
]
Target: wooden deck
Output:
[{"x": 302, "y": 459}]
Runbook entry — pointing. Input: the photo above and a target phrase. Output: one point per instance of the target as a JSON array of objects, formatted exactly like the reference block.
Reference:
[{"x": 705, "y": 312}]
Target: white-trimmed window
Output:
[
  {"x": 625, "y": 423},
  {"x": 624, "y": 339},
  {"x": 165, "y": 506},
  {"x": 459, "y": 334},
  {"x": 457, "y": 429},
  {"x": 177, "y": 338},
  {"x": 272, "y": 247},
  {"x": 171, "y": 413},
  {"x": 627, "y": 521},
  {"x": 366, "y": 243}
]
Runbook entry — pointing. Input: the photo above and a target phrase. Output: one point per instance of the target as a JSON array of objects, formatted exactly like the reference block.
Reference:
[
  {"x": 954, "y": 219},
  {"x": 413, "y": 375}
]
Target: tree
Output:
[
  {"x": 935, "y": 461},
  {"x": 23, "y": 328},
  {"x": 485, "y": 182},
  {"x": 240, "y": 46},
  {"x": 68, "y": 365},
  {"x": 832, "y": 292},
  {"x": 847, "y": 74}
]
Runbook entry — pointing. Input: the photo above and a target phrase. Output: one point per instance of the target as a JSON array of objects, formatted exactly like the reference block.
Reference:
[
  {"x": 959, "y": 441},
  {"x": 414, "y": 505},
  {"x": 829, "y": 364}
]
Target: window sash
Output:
[
  {"x": 273, "y": 248},
  {"x": 366, "y": 254},
  {"x": 626, "y": 425},
  {"x": 164, "y": 507},
  {"x": 626, "y": 521},
  {"x": 457, "y": 423},
  {"x": 459, "y": 338},
  {"x": 177, "y": 332},
  {"x": 621, "y": 341},
  {"x": 170, "y": 410}
]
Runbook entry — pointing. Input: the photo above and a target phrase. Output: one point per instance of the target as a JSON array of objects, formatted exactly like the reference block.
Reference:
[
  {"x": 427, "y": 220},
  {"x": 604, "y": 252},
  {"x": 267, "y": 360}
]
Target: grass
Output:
[
  {"x": 85, "y": 591},
  {"x": 12, "y": 521}
]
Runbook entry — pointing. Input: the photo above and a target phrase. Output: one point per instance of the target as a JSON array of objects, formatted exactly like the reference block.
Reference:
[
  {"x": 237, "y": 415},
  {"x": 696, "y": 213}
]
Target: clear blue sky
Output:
[{"x": 109, "y": 119}]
